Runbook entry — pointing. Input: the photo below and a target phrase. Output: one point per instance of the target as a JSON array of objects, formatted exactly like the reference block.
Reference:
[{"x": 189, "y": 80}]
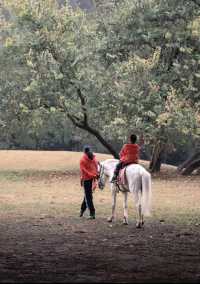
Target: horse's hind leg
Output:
[
  {"x": 125, "y": 205},
  {"x": 140, "y": 217},
  {"x": 140, "y": 220},
  {"x": 114, "y": 199}
]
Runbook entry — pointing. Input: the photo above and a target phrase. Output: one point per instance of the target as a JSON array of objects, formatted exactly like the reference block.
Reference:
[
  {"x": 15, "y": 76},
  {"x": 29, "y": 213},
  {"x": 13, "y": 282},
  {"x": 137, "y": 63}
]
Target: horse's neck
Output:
[{"x": 109, "y": 166}]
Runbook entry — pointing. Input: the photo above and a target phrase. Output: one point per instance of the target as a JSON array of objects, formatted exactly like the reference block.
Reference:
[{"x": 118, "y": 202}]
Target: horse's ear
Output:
[{"x": 99, "y": 165}]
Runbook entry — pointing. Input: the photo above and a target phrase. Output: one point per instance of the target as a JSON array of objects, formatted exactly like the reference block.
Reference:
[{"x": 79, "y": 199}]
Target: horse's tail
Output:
[{"x": 146, "y": 194}]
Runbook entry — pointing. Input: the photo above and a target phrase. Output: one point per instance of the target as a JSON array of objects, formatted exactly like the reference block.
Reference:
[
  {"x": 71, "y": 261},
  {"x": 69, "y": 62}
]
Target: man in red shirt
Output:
[
  {"x": 129, "y": 154},
  {"x": 89, "y": 172}
]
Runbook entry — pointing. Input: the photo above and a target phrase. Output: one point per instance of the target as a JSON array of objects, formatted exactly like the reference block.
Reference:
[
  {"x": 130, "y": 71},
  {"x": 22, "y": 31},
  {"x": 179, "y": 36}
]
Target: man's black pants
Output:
[{"x": 88, "y": 199}]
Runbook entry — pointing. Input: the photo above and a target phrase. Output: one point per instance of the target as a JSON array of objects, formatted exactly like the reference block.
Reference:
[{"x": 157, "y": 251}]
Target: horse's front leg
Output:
[
  {"x": 125, "y": 206},
  {"x": 114, "y": 199}
]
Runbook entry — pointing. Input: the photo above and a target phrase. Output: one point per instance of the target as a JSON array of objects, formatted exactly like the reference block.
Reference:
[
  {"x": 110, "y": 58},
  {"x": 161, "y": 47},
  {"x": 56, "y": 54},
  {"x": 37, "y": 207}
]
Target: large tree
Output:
[
  {"x": 57, "y": 65},
  {"x": 156, "y": 45},
  {"x": 135, "y": 68}
]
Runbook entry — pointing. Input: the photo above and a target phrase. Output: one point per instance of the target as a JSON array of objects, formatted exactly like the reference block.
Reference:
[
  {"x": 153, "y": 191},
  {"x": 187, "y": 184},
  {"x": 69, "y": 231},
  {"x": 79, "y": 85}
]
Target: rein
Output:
[
  {"x": 101, "y": 174},
  {"x": 101, "y": 170}
]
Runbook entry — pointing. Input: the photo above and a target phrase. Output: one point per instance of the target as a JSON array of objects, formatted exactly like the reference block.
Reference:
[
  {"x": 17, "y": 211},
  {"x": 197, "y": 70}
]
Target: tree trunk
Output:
[
  {"x": 157, "y": 155},
  {"x": 193, "y": 163},
  {"x": 107, "y": 145}
]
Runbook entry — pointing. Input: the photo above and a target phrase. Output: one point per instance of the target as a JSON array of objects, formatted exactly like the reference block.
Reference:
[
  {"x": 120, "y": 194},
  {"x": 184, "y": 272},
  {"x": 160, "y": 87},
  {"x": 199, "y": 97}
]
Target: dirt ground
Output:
[{"x": 42, "y": 238}]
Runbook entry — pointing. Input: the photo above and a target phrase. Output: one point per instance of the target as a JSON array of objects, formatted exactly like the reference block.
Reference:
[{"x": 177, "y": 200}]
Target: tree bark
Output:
[{"x": 157, "y": 155}]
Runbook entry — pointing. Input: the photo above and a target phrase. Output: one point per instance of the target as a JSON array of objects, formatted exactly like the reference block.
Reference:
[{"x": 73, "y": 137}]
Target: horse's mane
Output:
[{"x": 110, "y": 161}]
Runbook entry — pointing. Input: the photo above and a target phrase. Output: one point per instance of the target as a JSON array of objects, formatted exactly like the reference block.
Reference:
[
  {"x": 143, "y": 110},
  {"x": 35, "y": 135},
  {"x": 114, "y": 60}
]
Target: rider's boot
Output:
[{"x": 114, "y": 179}]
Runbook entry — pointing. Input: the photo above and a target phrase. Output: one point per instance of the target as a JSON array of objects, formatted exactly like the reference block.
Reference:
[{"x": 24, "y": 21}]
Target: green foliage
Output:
[
  {"x": 154, "y": 49},
  {"x": 131, "y": 66}
]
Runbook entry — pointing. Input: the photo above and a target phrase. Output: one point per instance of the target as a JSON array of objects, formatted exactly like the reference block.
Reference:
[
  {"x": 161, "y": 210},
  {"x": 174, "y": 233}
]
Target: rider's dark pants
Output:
[
  {"x": 88, "y": 199},
  {"x": 120, "y": 166}
]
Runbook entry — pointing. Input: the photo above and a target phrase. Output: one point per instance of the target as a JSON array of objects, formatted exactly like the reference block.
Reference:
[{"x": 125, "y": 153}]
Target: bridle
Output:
[{"x": 101, "y": 184}]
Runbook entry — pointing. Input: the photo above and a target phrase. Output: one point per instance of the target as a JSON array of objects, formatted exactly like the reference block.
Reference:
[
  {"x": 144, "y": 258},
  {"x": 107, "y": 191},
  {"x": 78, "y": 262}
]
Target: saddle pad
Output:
[{"x": 122, "y": 177}]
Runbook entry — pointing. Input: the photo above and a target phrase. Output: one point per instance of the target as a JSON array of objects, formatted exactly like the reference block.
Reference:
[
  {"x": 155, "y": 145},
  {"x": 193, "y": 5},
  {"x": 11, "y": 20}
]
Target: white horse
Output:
[{"x": 138, "y": 184}]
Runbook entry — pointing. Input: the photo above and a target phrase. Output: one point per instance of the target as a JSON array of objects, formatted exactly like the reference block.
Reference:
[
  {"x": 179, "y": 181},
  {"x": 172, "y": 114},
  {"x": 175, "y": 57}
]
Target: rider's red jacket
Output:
[
  {"x": 88, "y": 168},
  {"x": 130, "y": 153}
]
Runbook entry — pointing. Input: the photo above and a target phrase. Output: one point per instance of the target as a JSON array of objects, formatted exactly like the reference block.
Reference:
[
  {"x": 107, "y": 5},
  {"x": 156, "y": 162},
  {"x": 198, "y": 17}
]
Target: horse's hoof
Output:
[
  {"x": 139, "y": 225},
  {"x": 125, "y": 222},
  {"x": 110, "y": 220}
]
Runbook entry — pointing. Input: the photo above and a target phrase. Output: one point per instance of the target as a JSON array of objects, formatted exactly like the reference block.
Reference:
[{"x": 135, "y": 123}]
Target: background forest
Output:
[{"x": 77, "y": 72}]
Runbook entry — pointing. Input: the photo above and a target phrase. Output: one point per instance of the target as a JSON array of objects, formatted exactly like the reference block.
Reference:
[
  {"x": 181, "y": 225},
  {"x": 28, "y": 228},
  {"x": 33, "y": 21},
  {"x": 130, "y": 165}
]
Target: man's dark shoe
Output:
[
  {"x": 81, "y": 214},
  {"x": 92, "y": 217}
]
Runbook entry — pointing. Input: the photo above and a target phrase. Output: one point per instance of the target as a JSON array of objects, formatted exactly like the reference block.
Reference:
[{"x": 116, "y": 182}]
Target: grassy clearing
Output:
[
  {"x": 39, "y": 183},
  {"x": 41, "y": 160}
]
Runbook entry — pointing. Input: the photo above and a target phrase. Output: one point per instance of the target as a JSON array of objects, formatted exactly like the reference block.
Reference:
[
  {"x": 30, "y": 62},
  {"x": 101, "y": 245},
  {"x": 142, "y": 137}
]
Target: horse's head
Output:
[
  {"x": 101, "y": 180},
  {"x": 105, "y": 171}
]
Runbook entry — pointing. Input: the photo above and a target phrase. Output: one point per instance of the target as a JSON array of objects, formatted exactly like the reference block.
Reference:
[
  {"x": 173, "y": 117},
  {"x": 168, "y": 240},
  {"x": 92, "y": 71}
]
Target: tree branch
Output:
[
  {"x": 83, "y": 106},
  {"x": 75, "y": 120},
  {"x": 85, "y": 126},
  {"x": 196, "y": 2}
]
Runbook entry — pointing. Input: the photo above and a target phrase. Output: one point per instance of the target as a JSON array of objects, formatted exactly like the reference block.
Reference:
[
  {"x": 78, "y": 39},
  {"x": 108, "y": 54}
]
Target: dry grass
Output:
[
  {"x": 49, "y": 181},
  {"x": 41, "y": 160}
]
